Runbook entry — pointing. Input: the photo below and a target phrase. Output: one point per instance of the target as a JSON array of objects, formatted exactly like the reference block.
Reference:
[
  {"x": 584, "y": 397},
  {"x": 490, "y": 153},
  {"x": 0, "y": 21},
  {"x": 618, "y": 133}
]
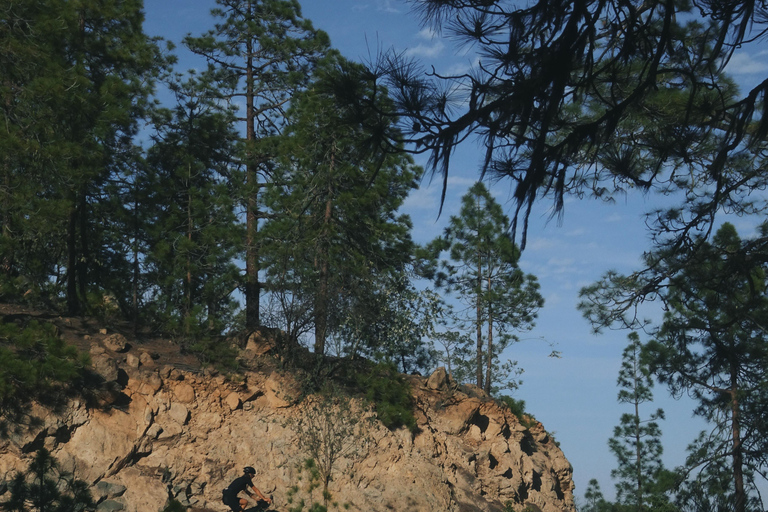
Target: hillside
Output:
[{"x": 163, "y": 427}]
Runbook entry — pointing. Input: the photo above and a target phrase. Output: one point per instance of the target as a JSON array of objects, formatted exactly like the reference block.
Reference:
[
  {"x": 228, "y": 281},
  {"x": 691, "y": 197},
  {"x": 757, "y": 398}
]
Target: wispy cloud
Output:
[
  {"x": 743, "y": 63},
  {"x": 430, "y": 50},
  {"x": 423, "y": 198},
  {"x": 387, "y": 6},
  {"x": 428, "y": 34}
]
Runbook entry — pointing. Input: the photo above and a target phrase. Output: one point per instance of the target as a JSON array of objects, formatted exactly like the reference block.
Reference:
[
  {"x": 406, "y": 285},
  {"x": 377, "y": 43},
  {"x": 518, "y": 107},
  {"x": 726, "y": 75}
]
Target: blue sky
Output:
[{"x": 573, "y": 396}]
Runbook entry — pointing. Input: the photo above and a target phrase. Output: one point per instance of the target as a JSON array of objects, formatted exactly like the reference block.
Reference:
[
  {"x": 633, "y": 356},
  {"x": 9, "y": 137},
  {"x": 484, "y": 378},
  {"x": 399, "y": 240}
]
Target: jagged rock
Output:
[
  {"x": 438, "y": 379},
  {"x": 107, "y": 490},
  {"x": 470, "y": 453},
  {"x": 146, "y": 359},
  {"x": 179, "y": 413},
  {"x": 132, "y": 361},
  {"x": 277, "y": 393},
  {"x": 110, "y": 506},
  {"x": 262, "y": 341},
  {"x": 233, "y": 401},
  {"x": 116, "y": 342},
  {"x": 154, "y": 431},
  {"x": 104, "y": 366}
]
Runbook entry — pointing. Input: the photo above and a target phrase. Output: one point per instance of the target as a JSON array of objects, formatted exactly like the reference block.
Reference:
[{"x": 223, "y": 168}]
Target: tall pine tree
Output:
[
  {"x": 636, "y": 441},
  {"x": 193, "y": 232},
  {"x": 482, "y": 270},
  {"x": 260, "y": 53},
  {"x": 712, "y": 345},
  {"x": 336, "y": 235},
  {"x": 71, "y": 105}
]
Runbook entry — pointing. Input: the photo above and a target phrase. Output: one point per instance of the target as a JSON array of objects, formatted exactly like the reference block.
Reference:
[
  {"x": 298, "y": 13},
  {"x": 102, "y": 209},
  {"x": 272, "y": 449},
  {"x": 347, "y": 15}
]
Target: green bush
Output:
[
  {"x": 35, "y": 362},
  {"x": 45, "y": 487},
  {"x": 518, "y": 409},
  {"x": 215, "y": 352},
  {"x": 174, "y": 505},
  {"x": 390, "y": 395}
]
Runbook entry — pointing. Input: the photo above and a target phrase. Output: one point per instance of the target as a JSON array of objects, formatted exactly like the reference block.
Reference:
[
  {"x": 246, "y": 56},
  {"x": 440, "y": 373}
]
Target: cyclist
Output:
[{"x": 243, "y": 483}]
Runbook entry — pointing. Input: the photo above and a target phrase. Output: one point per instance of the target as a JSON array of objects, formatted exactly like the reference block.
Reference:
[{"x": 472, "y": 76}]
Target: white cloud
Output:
[
  {"x": 559, "y": 265},
  {"x": 427, "y": 33},
  {"x": 461, "y": 182},
  {"x": 553, "y": 299},
  {"x": 426, "y": 50},
  {"x": 577, "y": 232},
  {"x": 540, "y": 243},
  {"x": 386, "y": 6},
  {"x": 423, "y": 198},
  {"x": 743, "y": 63}
]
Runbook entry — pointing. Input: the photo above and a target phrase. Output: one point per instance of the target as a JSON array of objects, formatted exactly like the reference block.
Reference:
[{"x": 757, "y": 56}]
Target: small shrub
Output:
[
  {"x": 35, "y": 362},
  {"x": 174, "y": 505},
  {"x": 45, "y": 487},
  {"x": 518, "y": 409},
  {"x": 215, "y": 352},
  {"x": 390, "y": 395}
]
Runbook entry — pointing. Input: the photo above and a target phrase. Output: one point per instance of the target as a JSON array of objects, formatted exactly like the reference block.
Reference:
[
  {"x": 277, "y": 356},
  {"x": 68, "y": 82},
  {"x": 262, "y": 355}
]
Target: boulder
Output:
[
  {"x": 116, "y": 342},
  {"x": 184, "y": 393},
  {"x": 233, "y": 401},
  {"x": 179, "y": 413},
  {"x": 438, "y": 379}
]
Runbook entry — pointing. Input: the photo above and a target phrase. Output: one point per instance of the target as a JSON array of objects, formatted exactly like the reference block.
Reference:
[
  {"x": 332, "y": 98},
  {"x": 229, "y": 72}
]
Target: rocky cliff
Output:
[{"x": 170, "y": 431}]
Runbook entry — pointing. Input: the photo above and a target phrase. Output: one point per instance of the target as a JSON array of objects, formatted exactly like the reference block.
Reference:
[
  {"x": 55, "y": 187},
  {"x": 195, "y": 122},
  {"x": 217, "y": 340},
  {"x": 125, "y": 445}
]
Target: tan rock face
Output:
[{"x": 188, "y": 436}]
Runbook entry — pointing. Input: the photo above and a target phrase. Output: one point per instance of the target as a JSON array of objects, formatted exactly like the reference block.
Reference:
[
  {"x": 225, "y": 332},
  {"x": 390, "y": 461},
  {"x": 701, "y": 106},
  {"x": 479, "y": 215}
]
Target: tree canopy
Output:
[{"x": 593, "y": 98}]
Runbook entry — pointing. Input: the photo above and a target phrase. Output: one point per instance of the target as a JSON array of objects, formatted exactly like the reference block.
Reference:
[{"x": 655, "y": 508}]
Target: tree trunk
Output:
[
  {"x": 479, "y": 326},
  {"x": 321, "y": 264},
  {"x": 6, "y": 263},
  {"x": 739, "y": 494},
  {"x": 252, "y": 285},
  {"x": 84, "y": 256},
  {"x": 73, "y": 303},
  {"x": 489, "y": 359},
  {"x": 136, "y": 266},
  {"x": 187, "y": 313},
  {"x": 638, "y": 454}
]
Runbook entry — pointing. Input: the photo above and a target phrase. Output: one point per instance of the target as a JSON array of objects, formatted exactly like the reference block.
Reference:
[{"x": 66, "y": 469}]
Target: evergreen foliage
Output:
[
  {"x": 79, "y": 75},
  {"x": 260, "y": 52},
  {"x": 174, "y": 505},
  {"x": 595, "y": 501},
  {"x": 335, "y": 239},
  {"x": 192, "y": 228},
  {"x": 587, "y": 98},
  {"x": 482, "y": 270},
  {"x": 713, "y": 346},
  {"x": 390, "y": 396},
  {"x": 35, "y": 363},
  {"x": 45, "y": 488},
  {"x": 636, "y": 441},
  {"x": 518, "y": 409}
]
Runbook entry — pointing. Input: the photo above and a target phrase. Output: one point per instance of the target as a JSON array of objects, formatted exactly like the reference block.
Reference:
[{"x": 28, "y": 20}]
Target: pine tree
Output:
[
  {"x": 636, "y": 442},
  {"x": 482, "y": 270},
  {"x": 192, "y": 228},
  {"x": 712, "y": 345},
  {"x": 261, "y": 52},
  {"x": 557, "y": 85},
  {"x": 594, "y": 497},
  {"x": 336, "y": 236},
  {"x": 46, "y": 488},
  {"x": 71, "y": 110}
]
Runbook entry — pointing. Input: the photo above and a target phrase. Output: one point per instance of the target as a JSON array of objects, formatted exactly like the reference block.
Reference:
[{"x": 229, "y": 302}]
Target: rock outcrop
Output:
[{"x": 168, "y": 432}]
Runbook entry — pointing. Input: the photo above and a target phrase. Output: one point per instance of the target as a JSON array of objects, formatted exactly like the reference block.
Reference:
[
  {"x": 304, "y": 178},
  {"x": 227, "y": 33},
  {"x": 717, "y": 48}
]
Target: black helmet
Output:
[{"x": 249, "y": 470}]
